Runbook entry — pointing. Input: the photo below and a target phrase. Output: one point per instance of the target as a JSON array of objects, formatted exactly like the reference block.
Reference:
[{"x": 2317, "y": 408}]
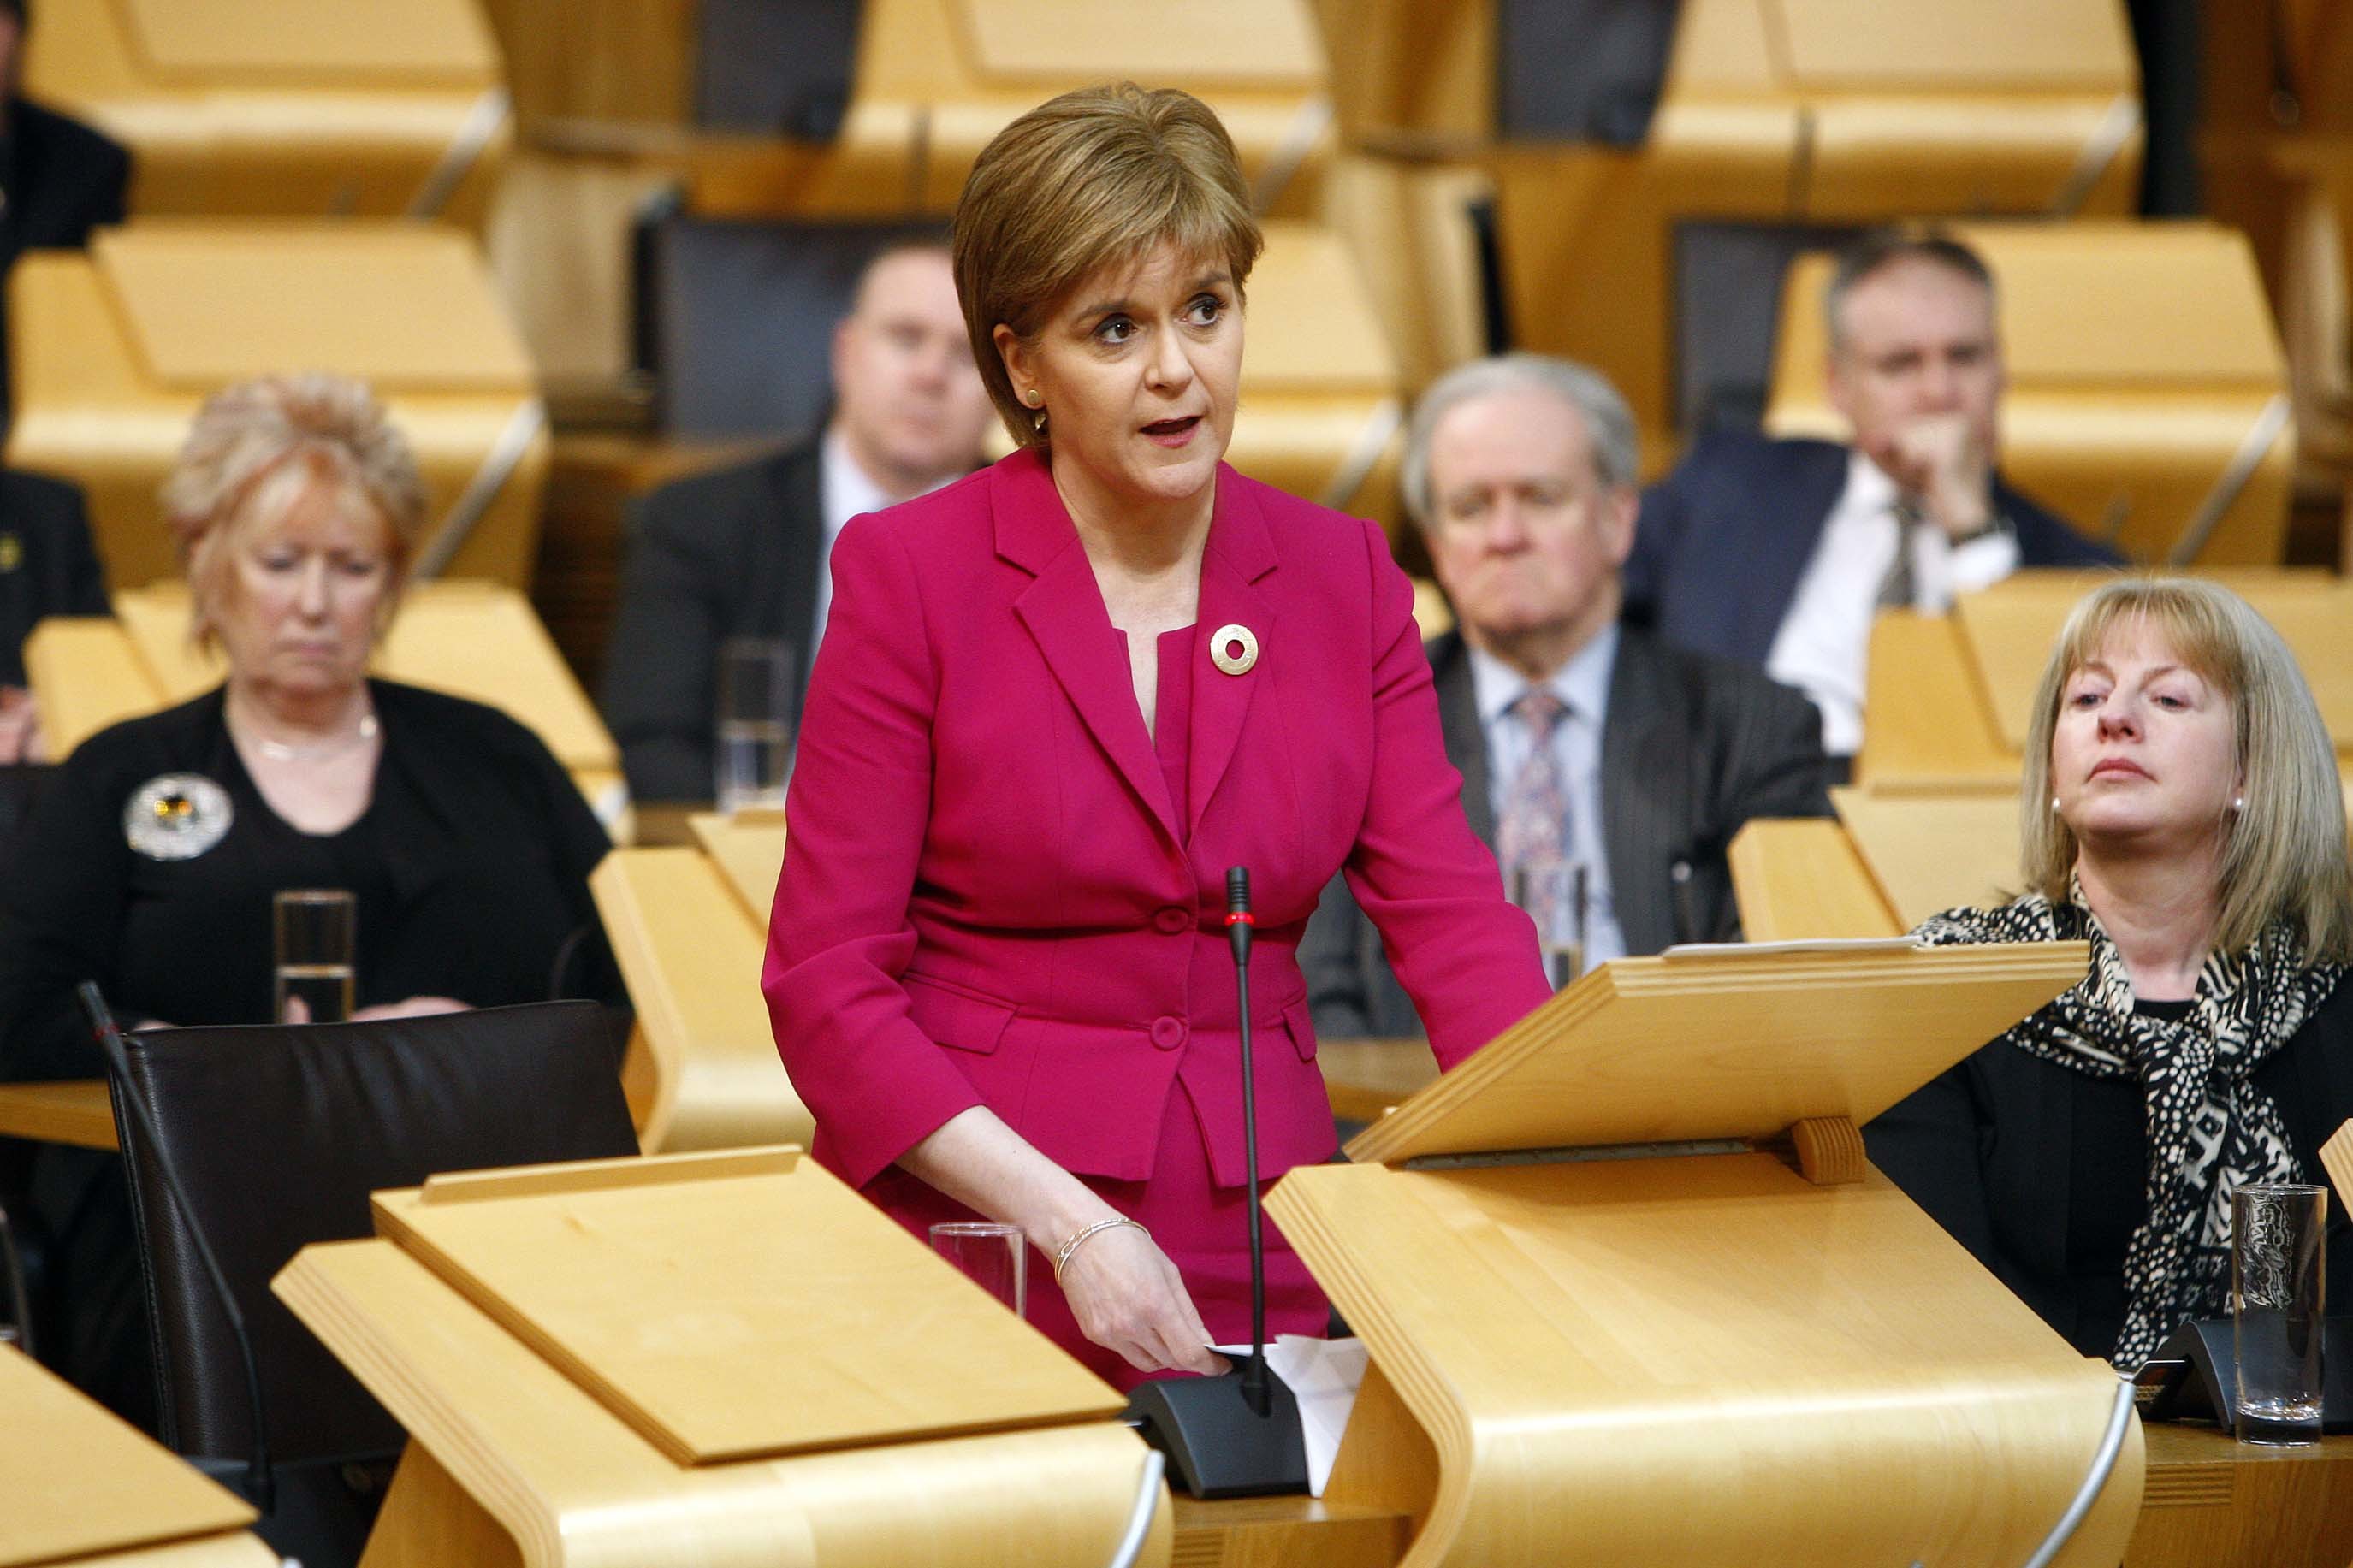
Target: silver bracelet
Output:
[{"x": 1062, "y": 1254}]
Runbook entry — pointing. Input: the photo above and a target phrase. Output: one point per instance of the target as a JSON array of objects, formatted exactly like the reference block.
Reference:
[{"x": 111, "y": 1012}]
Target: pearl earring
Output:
[
  {"x": 2239, "y": 803},
  {"x": 2054, "y": 802},
  {"x": 1030, "y": 398}
]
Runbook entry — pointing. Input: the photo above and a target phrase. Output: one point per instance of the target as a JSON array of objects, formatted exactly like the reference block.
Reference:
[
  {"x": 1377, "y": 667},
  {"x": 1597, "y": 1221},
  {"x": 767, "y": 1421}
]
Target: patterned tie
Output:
[
  {"x": 1535, "y": 829},
  {"x": 1898, "y": 589}
]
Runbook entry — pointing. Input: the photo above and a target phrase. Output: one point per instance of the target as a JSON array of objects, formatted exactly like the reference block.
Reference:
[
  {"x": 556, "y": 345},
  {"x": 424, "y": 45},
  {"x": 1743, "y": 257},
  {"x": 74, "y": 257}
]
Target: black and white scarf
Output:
[{"x": 2210, "y": 1130}]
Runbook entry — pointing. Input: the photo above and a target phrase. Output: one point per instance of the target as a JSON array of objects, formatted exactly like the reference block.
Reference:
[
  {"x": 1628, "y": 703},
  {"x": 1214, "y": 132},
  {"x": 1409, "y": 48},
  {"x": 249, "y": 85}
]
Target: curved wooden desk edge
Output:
[{"x": 73, "y": 1110}]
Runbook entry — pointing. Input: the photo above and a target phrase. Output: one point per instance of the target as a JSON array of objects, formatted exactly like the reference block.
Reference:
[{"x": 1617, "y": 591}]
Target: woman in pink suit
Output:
[{"x": 1054, "y": 702}]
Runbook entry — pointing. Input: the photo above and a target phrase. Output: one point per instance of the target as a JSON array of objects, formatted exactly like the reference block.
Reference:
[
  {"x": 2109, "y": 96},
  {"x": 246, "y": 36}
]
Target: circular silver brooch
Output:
[{"x": 176, "y": 816}]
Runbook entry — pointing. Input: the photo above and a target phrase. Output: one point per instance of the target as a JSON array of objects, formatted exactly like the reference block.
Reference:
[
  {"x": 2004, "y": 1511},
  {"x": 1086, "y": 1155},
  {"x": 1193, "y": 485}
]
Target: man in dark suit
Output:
[
  {"x": 1778, "y": 553},
  {"x": 47, "y": 567},
  {"x": 740, "y": 551},
  {"x": 1593, "y": 756},
  {"x": 58, "y": 178}
]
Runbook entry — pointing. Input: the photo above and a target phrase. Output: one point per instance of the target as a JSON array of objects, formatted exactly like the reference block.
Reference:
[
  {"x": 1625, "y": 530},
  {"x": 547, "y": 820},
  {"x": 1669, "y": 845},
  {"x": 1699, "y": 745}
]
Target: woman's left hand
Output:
[{"x": 414, "y": 1007}]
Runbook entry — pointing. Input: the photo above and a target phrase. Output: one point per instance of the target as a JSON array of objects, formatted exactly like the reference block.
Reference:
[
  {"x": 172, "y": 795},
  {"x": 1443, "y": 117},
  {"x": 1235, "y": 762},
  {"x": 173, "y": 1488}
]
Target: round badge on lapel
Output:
[
  {"x": 12, "y": 552},
  {"x": 176, "y": 816},
  {"x": 1233, "y": 647}
]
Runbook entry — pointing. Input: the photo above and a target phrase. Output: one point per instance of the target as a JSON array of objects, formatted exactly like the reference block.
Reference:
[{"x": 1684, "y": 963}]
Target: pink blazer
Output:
[{"x": 986, "y": 896}]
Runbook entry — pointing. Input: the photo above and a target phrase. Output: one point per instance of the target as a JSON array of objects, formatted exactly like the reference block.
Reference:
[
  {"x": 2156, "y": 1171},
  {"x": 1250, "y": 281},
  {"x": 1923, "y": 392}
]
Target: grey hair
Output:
[
  {"x": 1608, "y": 423},
  {"x": 1875, "y": 250}
]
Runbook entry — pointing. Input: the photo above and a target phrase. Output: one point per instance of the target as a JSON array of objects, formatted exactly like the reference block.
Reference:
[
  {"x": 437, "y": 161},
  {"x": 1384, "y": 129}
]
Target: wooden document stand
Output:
[
  {"x": 718, "y": 1359},
  {"x": 1596, "y": 1341}
]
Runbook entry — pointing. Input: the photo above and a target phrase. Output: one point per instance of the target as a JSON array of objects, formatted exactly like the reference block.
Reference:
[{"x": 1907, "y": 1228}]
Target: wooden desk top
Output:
[
  {"x": 76, "y": 1111},
  {"x": 2210, "y": 1502},
  {"x": 81, "y": 1485}
]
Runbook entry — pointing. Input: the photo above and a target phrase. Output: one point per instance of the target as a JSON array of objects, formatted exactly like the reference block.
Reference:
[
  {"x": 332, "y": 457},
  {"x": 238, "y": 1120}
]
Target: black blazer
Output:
[
  {"x": 2038, "y": 1169},
  {"x": 47, "y": 564},
  {"x": 731, "y": 554},
  {"x": 1691, "y": 747},
  {"x": 60, "y": 180},
  {"x": 1724, "y": 541}
]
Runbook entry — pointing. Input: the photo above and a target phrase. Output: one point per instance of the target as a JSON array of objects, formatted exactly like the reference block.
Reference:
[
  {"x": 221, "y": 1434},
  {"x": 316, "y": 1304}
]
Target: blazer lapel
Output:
[
  {"x": 1458, "y": 723},
  {"x": 1063, "y": 611},
  {"x": 1239, "y": 552},
  {"x": 1646, "y": 814}
]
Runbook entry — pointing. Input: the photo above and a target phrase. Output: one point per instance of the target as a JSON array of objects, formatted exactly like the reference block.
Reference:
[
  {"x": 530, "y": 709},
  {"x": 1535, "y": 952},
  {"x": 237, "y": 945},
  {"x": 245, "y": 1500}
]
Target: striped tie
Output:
[{"x": 1533, "y": 831}]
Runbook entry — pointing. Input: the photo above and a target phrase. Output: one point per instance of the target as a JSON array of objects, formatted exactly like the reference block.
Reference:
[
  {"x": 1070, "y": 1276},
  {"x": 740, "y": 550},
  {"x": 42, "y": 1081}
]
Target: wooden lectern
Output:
[
  {"x": 719, "y": 1359},
  {"x": 1609, "y": 1326},
  {"x": 702, "y": 1071},
  {"x": 78, "y": 1485},
  {"x": 112, "y": 351}
]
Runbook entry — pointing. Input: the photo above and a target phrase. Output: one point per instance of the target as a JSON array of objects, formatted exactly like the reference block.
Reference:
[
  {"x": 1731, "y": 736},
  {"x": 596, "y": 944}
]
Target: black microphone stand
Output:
[
  {"x": 260, "y": 1481},
  {"x": 1238, "y": 1434}
]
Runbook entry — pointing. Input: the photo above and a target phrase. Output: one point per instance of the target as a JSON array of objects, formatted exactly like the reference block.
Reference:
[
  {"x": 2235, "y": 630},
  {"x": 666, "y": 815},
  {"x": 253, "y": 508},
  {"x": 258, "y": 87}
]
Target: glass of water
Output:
[
  {"x": 1553, "y": 894},
  {"x": 315, "y": 931},
  {"x": 2278, "y": 1302},
  {"x": 994, "y": 1256},
  {"x": 758, "y": 704}
]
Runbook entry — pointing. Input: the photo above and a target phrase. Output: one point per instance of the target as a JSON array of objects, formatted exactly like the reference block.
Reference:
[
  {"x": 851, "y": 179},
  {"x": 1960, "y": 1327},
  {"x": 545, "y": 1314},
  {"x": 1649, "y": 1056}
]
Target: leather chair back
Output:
[{"x": 279, "y": 1133}]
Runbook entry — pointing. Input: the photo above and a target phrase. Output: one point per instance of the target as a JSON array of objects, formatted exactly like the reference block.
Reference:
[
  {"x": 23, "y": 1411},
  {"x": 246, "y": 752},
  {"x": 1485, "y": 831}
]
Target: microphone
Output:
[
  {"x": 1239, "y": 1435},
  {"x": 259, "y": 1487},
  {"x": 1239, "y": 926}
]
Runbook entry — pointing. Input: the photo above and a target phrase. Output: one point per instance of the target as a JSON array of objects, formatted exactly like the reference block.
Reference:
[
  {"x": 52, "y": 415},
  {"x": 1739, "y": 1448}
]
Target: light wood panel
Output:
[
  {"x": 2104, "y": 419},
  {"x": 254, "y": 107},
  {"x": 692, "y": 959},
  {"x": 1365, "y": 1077},
  {"x": 567, "y": 1482},
  {"x": 1800, "y": 879},
  {"x": 1285, "y": 1532},
  {"x": 767, "y": 1334},
  {"x": 81, "y": 1484},
  {"x": 1723, "y": 1043},
  {"x": 87, "y": 674},
  {"x": 748, "y": 848},
  {"x": 1651, "y": 1361},
  {"x": 1927, "y": 720},
  {"x": 2211, "y": 1501},
  {"x": 90, "y": 406},
  {"x": 1928, "y": 853},
  {"x": 72, "y": 1111}
]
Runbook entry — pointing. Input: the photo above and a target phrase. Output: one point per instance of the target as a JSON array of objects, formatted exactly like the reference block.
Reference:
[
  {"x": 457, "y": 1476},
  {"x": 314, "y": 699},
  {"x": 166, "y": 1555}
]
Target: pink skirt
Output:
[{"x": 1203, "y": 1229}]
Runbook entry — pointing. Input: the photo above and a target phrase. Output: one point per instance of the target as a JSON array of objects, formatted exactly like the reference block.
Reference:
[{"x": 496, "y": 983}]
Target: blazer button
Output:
[
  {"x": 1174, "y": 920},
  {"x": 1167, "y": 1033}
]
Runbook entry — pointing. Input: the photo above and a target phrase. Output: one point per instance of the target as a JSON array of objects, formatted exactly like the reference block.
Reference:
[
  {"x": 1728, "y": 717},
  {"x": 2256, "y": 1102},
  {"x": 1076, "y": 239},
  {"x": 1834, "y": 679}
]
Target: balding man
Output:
[
  {"x": 1593, "y": 758},
  {"x": 742, "y": 552},
  {"x": 1779, "y": 553}
]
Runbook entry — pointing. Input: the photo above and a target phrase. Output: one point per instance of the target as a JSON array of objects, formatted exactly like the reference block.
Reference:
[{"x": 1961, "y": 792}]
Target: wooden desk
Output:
[
  {"x": 1286, "y": 1532},
  {"x": 78, "y": 1485},
  {"x": 2210, "y": 1502},
  {"x": 1366, "y": 1077},
  {"x": 76, "y": 1111}
]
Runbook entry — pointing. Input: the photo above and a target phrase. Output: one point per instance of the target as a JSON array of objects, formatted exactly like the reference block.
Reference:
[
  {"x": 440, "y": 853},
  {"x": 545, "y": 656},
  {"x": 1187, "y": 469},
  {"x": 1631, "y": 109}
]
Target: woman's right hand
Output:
[{"x": 1127, "y": 1298}]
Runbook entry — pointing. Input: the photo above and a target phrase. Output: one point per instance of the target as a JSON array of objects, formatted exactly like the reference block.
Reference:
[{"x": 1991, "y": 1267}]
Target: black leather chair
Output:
[{"x": 278, "y": 1133}]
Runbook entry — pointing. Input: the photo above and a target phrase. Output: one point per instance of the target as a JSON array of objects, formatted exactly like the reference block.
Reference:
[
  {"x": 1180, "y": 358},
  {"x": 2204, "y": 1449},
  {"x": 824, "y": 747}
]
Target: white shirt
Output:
[
  {"x": 1583, "y": 685},
  {"x": 1824, "y": 643},
  {"x": 843, "y": 492}
]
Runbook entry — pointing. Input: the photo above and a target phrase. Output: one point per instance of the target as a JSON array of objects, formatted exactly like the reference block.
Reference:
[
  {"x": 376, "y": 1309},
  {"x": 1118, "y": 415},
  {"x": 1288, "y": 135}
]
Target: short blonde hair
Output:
[
  {"x": 1092, "y": 178},
  {"x": 263, "y": 447},
  {"x": 2284, "y": 857}
]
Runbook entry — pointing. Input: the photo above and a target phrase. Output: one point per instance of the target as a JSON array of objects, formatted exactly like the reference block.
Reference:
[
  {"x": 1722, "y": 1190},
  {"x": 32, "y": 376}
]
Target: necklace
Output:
[{"x": 282, "y": 751}]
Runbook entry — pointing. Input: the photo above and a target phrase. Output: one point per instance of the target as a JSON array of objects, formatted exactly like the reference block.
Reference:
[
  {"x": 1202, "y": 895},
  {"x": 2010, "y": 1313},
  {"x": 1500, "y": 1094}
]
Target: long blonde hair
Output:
[{"x": 2284, "y": 857}]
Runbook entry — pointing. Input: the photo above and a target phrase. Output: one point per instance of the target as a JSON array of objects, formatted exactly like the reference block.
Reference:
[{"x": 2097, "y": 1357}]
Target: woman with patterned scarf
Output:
[{"x": 2182, "y": 812}]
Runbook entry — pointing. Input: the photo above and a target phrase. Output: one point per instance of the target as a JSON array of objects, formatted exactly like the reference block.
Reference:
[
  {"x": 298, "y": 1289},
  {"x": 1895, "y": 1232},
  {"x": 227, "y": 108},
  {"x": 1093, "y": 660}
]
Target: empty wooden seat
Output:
[
  {"x": 112, "y": 352},
  {"x": 325, "y": 108}
]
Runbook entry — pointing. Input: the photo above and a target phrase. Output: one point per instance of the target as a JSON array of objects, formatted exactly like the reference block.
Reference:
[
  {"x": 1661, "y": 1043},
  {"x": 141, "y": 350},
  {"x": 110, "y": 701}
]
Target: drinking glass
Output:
[
  {"x": 1553, "y": 894},
  {"x": 757, "y": 700},
  {"x": 993, "y": 1255},
  {"x": 314, "y": 931},
  {"x": 2278, "y": 1302}
]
